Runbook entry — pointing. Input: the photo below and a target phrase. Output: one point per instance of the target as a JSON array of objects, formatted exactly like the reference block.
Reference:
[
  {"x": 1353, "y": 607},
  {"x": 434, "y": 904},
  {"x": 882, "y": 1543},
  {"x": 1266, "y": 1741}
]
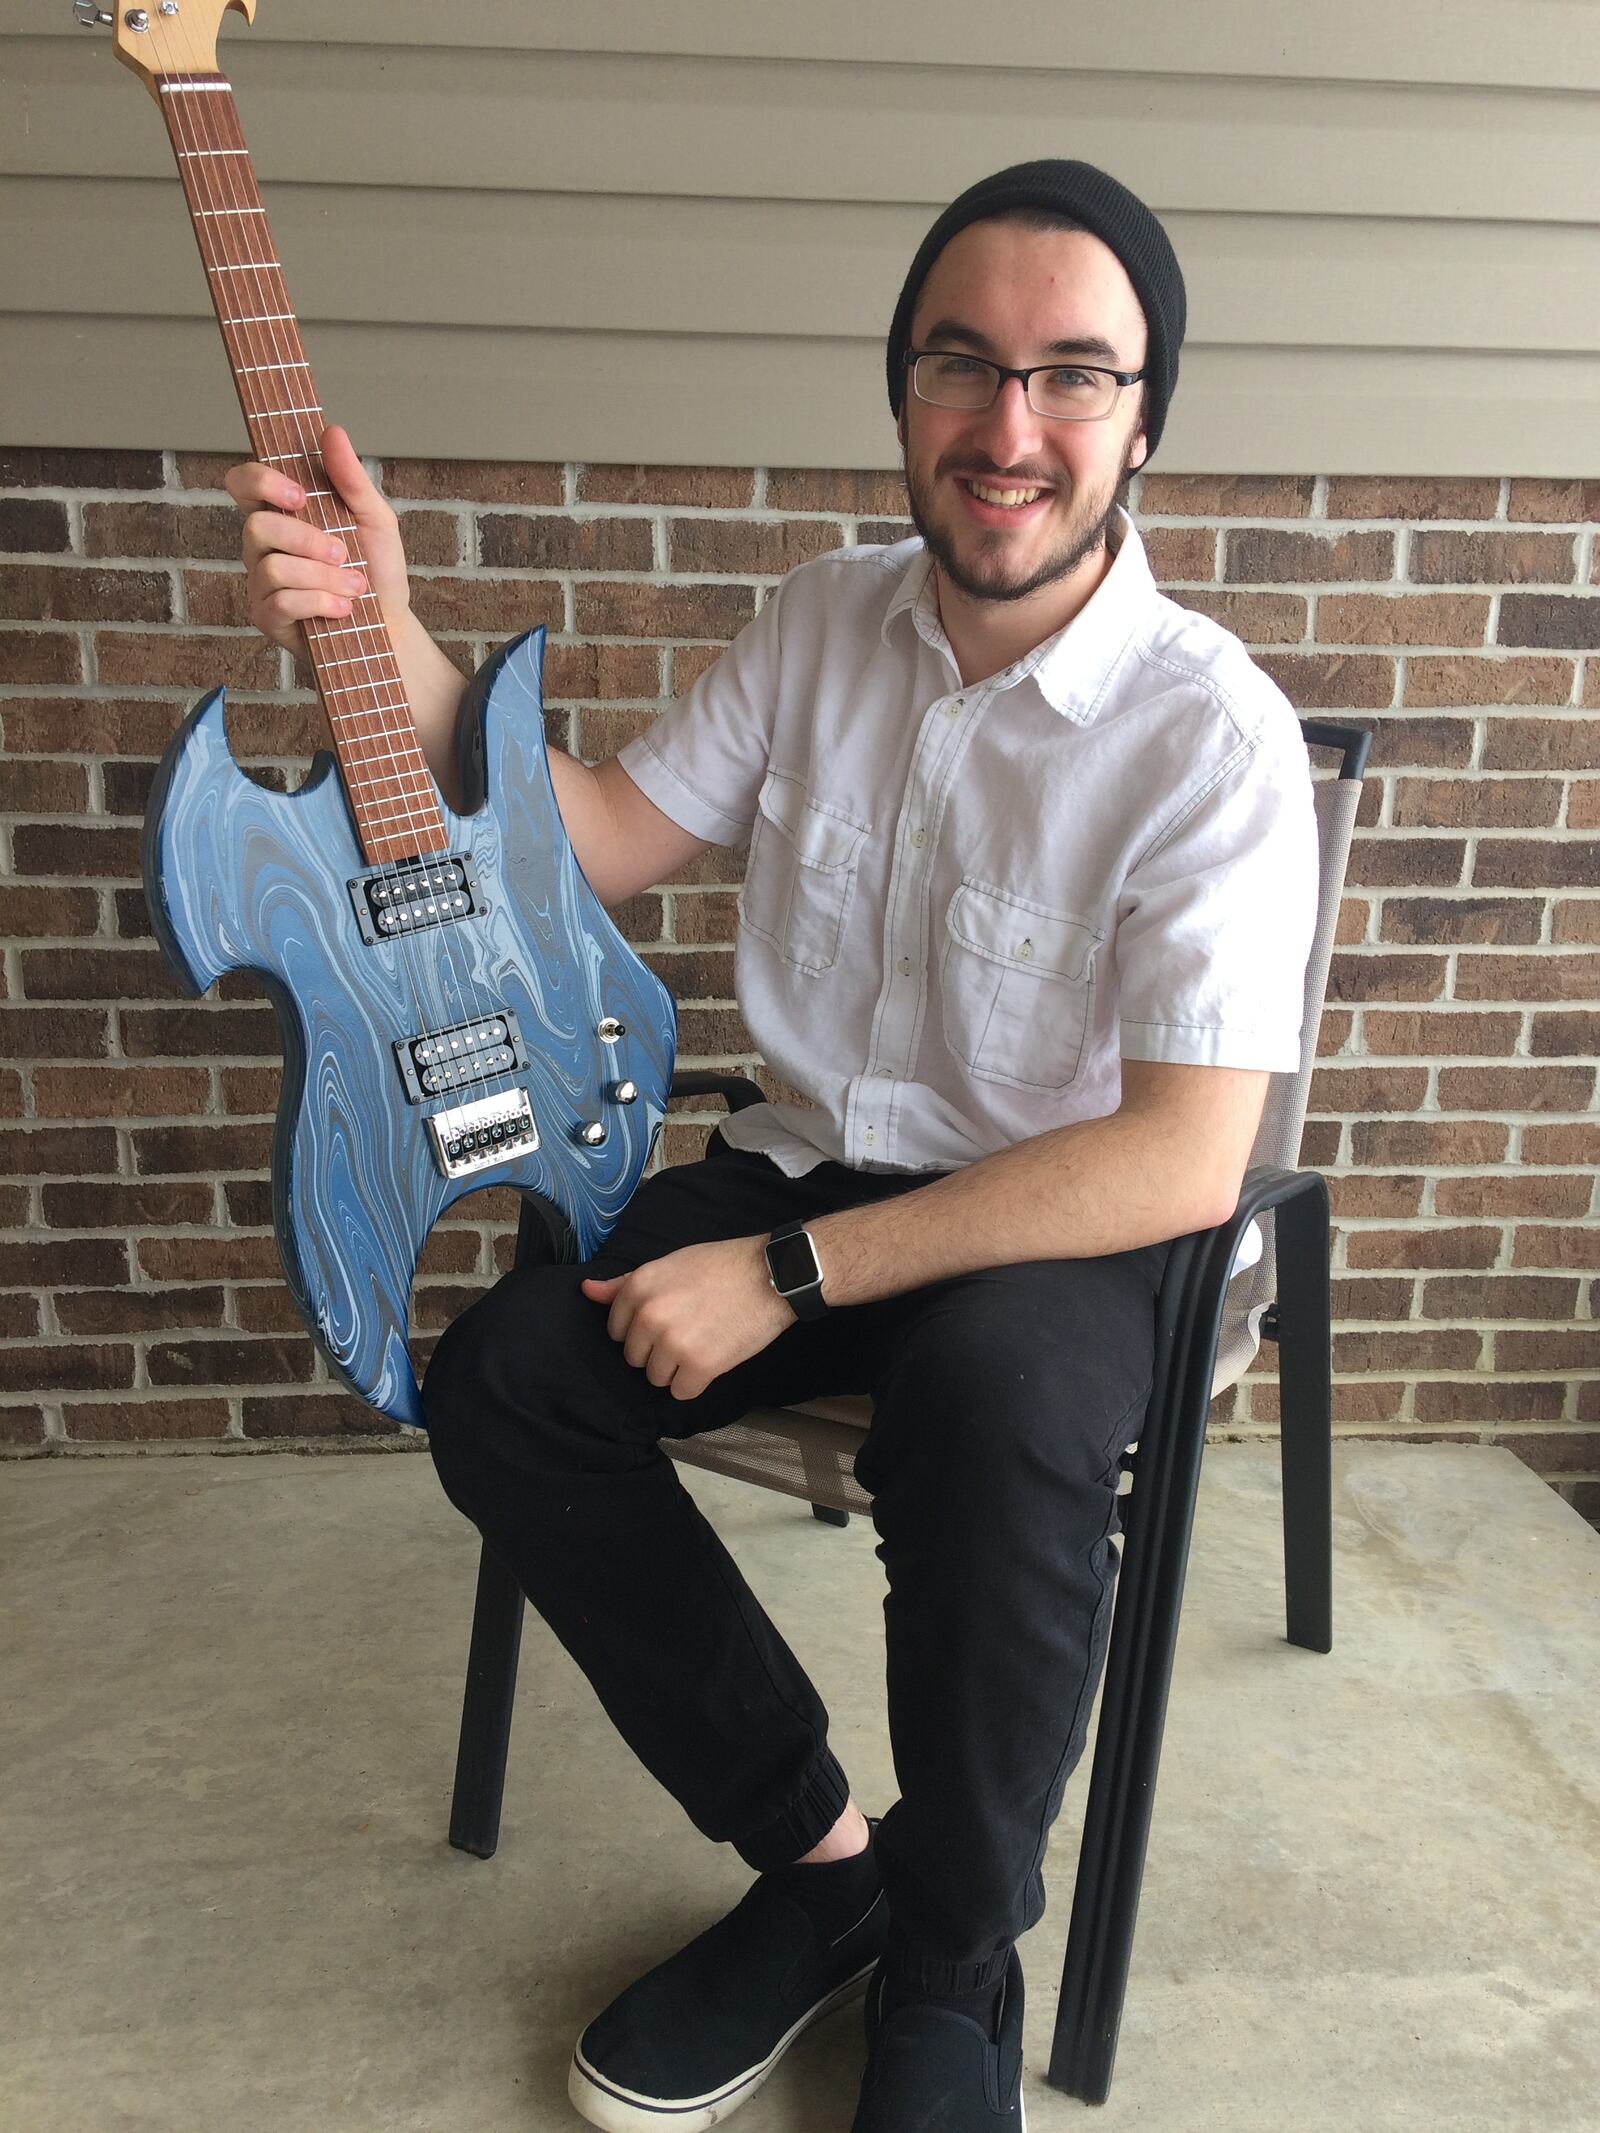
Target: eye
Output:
[
  {"x": 954, "y": 368},
  {"x": 1067, "y": 381}
]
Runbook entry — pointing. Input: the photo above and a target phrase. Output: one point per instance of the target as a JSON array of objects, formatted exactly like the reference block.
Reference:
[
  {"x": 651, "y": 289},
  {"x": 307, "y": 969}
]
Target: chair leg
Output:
[
  {"x": 1305, "y": 1401},
  {"x": 486, "y": 1709},
  {"x": 829, "y": 1516},
  {"x": 1127, "y": 1749}
]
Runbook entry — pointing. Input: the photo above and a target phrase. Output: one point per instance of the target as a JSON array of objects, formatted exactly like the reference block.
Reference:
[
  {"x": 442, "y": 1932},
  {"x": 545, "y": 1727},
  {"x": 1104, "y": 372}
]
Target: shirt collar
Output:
[{"x": 1073, "y": 669}]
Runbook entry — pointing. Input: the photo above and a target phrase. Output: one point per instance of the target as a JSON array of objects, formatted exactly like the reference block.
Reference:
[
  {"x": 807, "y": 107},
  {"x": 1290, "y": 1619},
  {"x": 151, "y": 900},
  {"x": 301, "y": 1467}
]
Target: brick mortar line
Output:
[
  {"x": 581, "y": 573},
  {"x": 473, "y": 510}
]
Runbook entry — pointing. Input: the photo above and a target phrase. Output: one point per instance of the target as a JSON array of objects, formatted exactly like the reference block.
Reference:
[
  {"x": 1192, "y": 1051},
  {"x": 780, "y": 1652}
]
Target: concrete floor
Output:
[{"x": 232, "y": 1689}]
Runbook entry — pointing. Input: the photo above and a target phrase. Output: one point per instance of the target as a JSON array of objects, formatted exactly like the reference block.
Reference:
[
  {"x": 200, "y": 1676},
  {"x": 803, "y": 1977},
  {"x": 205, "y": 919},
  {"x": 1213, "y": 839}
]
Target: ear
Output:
[{"x": 1142, "y": 448}]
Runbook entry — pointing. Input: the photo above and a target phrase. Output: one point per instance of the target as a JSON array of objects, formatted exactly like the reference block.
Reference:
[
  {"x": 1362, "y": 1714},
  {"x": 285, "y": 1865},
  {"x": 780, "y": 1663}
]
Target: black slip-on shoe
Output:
[
  {"x": 931, "y": 2070},
  {"x": 695, "y": 2037}
]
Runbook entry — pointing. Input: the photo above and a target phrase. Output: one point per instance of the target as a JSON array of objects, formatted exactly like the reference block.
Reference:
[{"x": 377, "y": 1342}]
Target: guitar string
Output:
[
  {"x": 358, "y": 743},
  {"x": 197, "y": 139},
  {"x": 411, "y": 957},
  {"x": 410, "y": 946},
  {"x": 469, "y": 1005}
]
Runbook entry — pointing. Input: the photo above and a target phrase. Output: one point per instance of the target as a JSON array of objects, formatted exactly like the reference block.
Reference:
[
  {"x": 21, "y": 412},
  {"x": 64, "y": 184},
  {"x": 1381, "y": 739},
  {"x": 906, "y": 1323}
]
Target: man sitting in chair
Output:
[{"x": 1030, "y": 896}]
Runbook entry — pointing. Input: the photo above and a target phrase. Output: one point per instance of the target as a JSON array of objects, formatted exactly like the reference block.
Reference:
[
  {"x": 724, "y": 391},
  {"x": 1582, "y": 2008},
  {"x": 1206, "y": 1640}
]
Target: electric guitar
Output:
[{"x": 456, "y": 1008}]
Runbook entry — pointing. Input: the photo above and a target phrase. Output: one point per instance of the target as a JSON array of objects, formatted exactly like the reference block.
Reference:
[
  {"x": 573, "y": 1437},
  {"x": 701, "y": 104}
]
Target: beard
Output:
[{"x": 985, "y": 573}]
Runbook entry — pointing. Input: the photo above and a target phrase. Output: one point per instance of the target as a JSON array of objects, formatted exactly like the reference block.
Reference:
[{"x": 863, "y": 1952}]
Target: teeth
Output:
[{"x": 1003, "y": 496}]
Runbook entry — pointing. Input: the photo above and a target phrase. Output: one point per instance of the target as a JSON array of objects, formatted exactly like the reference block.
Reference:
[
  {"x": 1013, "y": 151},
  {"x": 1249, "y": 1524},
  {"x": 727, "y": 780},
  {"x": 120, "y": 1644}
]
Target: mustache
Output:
[{"x": 1000, "y": 477}]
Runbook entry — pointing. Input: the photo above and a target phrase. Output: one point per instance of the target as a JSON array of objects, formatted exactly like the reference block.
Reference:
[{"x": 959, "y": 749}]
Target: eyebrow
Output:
[{"x": 950, "y": 329}]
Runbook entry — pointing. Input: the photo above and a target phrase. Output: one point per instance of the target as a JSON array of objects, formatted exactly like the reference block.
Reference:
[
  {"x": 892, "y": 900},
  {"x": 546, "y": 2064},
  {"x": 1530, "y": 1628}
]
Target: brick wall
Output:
[{"x": 1454, "y": 1110}]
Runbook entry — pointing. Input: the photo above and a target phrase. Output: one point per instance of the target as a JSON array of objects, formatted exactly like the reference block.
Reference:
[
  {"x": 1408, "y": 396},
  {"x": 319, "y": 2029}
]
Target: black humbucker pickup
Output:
[
  {"x": 405, "y": 899},
  {"x": 441, "y": 1060}
]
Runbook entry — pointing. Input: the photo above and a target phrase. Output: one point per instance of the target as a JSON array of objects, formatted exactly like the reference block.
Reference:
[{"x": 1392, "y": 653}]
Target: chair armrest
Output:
[
  {"x": 737, "y": 1091},
  {"x": 1194, "y": 1285}
]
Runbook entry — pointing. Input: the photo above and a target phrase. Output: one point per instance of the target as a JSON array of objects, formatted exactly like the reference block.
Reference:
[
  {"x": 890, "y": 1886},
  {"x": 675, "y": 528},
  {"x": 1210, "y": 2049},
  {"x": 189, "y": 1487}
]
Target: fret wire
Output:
[
  {"x": 343, "y": 663},
  {"x": 398, "y": 778},
  {"x": 213, "y": 214},
  {"x": 410, "y": 764},
  {"x": 272, "y": 366},
  {"x": 421, "y": 813},
  {"x": 408, "y": 767},
  {"x": 370, "y": 681},
  {"x": 399, "y": 773},
  {"x": 401, "y": 818}
]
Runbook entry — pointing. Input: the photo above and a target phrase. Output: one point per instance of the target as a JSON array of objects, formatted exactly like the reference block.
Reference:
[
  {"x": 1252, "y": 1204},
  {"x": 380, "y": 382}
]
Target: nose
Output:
[{"x": 1008, "y": 429}]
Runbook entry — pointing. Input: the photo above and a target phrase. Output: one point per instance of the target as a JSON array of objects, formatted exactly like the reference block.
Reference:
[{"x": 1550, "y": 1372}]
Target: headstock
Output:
[{"x": 167, "y": 36}]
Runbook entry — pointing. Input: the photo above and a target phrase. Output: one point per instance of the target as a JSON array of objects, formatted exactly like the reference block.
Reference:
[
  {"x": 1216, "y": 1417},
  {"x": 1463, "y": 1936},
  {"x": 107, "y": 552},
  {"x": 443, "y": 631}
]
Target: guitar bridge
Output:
[{"x": 478, "y": 1135}]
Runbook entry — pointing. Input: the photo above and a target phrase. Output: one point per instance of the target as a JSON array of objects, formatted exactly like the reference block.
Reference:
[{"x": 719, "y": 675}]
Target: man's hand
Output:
[{"x": 686, "y": 1318}]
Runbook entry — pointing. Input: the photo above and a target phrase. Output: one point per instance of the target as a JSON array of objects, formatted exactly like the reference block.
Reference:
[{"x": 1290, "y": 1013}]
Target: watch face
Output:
[{"x": 793, "y": 1263}]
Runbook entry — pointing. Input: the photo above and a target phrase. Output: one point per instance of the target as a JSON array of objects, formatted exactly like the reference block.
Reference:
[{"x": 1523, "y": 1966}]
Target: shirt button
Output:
[
  {"x": 919, "y": 837},
  {"x": 1026, "y": 951},
  {"x": 952, "y": 707},
  {"x": 869, "y": 1135},
  {"x": 886, "y": 1073},
  {"x": 904, "y": 966}
]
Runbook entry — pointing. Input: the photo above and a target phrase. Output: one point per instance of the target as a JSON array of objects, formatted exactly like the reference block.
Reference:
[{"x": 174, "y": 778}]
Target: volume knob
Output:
[
  {"x": 592, "y": 1132},
  {"x": 624, "y": 1092}
]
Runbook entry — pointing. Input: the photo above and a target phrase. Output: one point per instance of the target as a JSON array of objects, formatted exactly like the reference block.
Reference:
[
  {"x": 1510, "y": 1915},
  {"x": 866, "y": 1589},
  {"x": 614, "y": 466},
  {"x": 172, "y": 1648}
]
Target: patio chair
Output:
[{"x": 1210, "y": 1323}]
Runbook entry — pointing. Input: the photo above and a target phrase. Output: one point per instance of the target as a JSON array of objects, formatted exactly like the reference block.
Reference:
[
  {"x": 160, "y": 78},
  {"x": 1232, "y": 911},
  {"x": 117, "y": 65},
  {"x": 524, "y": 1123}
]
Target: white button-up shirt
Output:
[{"x": 965, "y": 905}]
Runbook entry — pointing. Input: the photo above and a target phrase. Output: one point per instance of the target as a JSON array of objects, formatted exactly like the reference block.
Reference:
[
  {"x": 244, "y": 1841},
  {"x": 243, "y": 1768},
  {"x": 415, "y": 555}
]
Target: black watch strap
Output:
[{"x": 795, "y": 1271}]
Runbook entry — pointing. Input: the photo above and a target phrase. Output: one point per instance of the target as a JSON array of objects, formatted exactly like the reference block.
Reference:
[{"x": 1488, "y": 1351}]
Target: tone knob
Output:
[
  {"x": 592, "y": 1133},
  {"x": 624, "y": 1092}
]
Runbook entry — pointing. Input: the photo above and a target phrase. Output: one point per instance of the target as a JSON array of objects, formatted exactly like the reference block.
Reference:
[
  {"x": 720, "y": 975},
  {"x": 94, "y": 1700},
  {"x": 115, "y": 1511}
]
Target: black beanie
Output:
[{"x": 1116, "y": 216}]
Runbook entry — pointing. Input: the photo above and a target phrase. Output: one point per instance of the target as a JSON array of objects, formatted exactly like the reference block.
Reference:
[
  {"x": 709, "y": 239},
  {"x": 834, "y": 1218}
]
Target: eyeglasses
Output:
[{"x": 1065, "y": 392}]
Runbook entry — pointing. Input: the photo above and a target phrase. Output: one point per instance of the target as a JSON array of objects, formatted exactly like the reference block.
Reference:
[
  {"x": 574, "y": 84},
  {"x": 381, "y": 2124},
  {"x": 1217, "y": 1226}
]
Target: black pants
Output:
[{"x": 1002, "y": 1402}]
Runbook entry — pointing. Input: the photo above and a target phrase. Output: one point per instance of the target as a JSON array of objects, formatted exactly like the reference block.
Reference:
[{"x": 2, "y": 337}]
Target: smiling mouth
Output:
[{"x": 1001, "y": 496}]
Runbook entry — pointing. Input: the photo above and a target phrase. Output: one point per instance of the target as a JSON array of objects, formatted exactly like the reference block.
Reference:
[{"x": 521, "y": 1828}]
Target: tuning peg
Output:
[{"x": 91, "y": 17}]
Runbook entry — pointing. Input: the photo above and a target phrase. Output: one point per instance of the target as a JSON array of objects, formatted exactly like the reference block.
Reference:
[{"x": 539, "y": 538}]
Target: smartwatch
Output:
[{"x": 795, "y": 1271}]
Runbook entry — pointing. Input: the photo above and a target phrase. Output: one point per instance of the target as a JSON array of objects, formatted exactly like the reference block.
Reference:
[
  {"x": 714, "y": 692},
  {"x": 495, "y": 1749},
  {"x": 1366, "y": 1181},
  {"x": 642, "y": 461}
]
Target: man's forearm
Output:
[{"x": 1078, "y": 1192}]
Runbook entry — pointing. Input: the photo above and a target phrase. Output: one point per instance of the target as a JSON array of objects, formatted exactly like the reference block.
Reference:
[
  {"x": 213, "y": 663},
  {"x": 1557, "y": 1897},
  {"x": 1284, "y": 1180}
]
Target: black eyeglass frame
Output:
[{"x": 1123, "y": 377}]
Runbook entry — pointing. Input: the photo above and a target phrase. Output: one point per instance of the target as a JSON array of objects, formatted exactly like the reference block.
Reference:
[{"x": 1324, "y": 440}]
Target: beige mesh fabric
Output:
[{"x": 808, "y": 1450}]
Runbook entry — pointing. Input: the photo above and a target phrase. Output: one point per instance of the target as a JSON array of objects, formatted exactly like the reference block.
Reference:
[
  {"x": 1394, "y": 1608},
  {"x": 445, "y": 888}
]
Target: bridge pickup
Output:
[
  {"x": 475, "y": 1136},
  {"x": 415, "y": 895},
  {"x": 454, "y": 1058}
]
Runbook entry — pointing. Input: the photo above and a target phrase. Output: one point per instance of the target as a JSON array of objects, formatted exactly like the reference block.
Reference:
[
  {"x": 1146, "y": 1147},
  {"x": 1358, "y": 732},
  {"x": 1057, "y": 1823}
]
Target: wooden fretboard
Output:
[{"x": 391, "y": 789}]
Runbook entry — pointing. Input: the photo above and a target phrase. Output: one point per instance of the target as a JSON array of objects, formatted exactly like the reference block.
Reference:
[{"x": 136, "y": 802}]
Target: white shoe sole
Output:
[{"x": 618, "y": 2110}]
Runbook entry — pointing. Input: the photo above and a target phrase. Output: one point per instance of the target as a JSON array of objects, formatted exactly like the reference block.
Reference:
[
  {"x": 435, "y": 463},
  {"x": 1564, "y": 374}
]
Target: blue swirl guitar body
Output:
[{"x": 469, "y": 1019}]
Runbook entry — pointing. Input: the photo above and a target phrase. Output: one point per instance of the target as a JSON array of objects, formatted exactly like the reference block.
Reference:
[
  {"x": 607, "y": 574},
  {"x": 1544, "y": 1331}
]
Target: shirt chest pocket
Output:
[
  {"x": 801, "y": 873},
  {"x": 1017, "y": 981}
]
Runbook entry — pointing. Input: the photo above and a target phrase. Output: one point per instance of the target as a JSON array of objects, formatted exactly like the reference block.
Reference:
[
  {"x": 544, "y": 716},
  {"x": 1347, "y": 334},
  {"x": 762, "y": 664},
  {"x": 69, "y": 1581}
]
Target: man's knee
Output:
[{"x": 497, "y": 1346}]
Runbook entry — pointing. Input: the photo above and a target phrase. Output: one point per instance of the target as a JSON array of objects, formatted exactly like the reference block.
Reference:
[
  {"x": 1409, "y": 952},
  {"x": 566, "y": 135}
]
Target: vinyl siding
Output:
[{"x": 596, "y": 233}]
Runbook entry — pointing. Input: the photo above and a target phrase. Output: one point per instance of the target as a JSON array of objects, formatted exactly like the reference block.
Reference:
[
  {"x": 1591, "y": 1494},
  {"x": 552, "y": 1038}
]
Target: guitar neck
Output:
[{"x": 391, "y": 790}]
